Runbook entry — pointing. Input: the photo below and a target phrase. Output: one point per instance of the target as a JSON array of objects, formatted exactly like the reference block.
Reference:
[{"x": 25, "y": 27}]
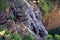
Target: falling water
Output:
[
  {"x": 36, "y": 23},
  {"x": 33, "y": 23}
]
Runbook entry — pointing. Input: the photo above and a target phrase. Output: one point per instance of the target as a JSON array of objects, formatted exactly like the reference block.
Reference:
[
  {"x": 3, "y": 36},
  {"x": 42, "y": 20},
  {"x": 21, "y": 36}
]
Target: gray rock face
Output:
[
  {"x": 33, "y": 21},
  {"x": 25, "y": 12}
]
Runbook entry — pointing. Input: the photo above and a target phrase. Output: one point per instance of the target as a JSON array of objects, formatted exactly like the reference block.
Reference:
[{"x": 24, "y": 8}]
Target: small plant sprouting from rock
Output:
[{"x": 12, "y": 17}]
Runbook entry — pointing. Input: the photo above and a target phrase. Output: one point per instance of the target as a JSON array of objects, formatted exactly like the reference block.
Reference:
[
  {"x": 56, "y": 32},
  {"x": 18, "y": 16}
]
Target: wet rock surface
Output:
[{"x": 26, "y": 18}]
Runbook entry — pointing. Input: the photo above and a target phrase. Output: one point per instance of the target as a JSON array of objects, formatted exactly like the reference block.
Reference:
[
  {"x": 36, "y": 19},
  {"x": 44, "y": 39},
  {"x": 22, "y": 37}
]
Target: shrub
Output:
[
  {"x": 16, "y": 37},
  {"x": 11, "y": 36},
  {"x": 1, "y": 28},
  {"x": 46, "y": 5},
  {"x": 57, "y": 37},
  {"x": 28, "y": 37},
  {"x": 48, "y": 37}
]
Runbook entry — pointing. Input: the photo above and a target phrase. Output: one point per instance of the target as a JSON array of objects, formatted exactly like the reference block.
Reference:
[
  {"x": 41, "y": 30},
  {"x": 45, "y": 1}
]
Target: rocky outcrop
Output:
[{"x": 27, "y": 17}]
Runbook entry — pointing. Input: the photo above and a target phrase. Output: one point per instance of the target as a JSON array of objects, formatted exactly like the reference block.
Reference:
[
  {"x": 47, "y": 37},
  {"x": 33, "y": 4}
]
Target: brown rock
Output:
[{"x": 52, "y": 19}]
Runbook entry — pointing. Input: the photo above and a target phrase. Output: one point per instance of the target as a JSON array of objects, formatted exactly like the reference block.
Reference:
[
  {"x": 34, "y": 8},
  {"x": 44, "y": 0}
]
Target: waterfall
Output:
[
  {"x": 36, "y": 23},
  {"x": 32, "y": 22}
]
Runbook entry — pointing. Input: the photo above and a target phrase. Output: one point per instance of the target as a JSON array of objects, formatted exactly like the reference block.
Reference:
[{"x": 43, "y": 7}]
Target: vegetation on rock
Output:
[
  {"x": 14, "y": 36},
  {"x": 28, "y": 37},
  {"x": 50, "y": 37},
  {"x": 46, "y": 5},
  {"x": 51, "y": 20}
]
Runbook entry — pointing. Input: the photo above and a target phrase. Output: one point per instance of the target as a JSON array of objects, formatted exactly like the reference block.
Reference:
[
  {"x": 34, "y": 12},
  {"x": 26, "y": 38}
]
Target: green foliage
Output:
[
  {"x": 1, "y": 28},
  {"x": 46, "y": 5},
  {"x": 11, "y": 36},
  {"x": 48, "y": 37},
  {"x": 12, "y": 17},
  {"x": 54, "y": 31},
  {"x": 57, "y": 37},
  {"x": 3, "y": 4},
  {"x": 8, "y": 35},
  {"x": 28, "y": 37},
  {"x": 16, "y": 37}
]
